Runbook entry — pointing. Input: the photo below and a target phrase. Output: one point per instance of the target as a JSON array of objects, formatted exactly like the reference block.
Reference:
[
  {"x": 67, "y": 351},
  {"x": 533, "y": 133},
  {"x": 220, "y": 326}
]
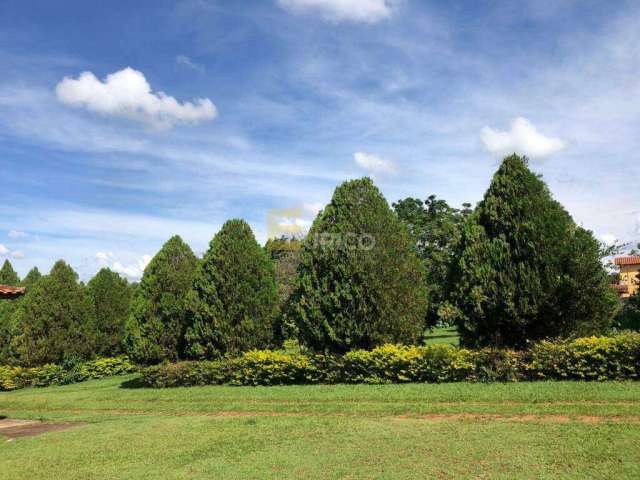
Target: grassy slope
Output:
[{"x": 329, "y": 432}]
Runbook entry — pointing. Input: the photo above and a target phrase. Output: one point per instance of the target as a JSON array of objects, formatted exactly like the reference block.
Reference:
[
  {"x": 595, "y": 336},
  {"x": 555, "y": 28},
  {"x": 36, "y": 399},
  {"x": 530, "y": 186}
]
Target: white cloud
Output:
[
  {"x": 17, "y": 234},
  {"x": 132, "y": 271},
  {"x": 608, "y": 238},
  {"x": 187, "y": 62},
  {"x": 104, "y": 257},
  {"x": 369, "y": 11},
  {"x": 523, "y": 139},
  {"x": 6, "y": 252},
  {"x": 373, "y": 163},
  {"x": 127, "y": 93}
]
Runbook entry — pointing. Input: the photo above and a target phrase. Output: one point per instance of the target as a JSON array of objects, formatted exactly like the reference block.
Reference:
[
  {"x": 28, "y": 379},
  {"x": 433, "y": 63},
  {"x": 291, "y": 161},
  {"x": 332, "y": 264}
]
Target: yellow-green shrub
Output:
[
  {"x": 593, "y": 358},
  {"x": 13, "y": 378}
]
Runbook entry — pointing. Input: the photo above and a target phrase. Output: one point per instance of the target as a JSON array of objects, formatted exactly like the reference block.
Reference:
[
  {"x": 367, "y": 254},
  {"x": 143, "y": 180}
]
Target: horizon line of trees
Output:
[{"x": 512, "y": 270}]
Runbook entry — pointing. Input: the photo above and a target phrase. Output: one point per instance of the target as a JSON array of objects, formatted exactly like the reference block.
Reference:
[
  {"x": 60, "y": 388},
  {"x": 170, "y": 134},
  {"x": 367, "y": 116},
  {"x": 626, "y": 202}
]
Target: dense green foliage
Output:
[
  {"x": 31, "y": 278},
  {"x": 158, "y": 320},
  {"x": 55, "y": 321},
  {"x": 524, "y": 271},
  {"x": 592, "y": 358},
  {"x": 8, "y": 275},
  {"x": 629, "y": 316},
  {"x": 435, "y": 228},
  {"x": 234, "y": 299},
  {"x": 360, "y": 282},
  {"x": 14, "y": 378},
  {"x": 111, "y": 296},
  {"x": 285, "y": 253}
]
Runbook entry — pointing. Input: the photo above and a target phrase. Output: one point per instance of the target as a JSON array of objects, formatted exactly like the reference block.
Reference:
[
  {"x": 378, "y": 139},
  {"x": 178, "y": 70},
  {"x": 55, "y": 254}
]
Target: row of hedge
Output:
[
  {"x": 14, "y": 378},
  {"x": 592, "y": 358}
]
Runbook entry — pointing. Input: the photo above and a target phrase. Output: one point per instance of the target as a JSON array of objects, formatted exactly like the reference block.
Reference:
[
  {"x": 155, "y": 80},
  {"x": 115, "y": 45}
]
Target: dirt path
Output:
[{"x": 12, "y": 429}]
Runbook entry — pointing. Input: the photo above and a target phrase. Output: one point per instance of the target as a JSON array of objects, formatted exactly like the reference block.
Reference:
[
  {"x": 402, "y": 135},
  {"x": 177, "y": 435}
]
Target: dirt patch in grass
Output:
[
  {"x": 525, "y": 418},
  {"x": 12, "y": 429}
]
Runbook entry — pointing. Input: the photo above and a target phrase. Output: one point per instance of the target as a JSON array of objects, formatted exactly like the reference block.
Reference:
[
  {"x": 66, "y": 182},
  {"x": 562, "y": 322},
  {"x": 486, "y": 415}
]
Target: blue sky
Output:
[{"x": 270, "y": 104}]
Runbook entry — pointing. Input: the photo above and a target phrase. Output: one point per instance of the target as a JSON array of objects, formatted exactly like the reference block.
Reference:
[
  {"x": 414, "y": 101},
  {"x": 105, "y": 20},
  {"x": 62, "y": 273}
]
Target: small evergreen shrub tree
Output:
[
  {"x": 360, "y": 282},
  {"x": 55, "y": 322},
  {"x": 111, "y": 296},
  {"x": 155, "y": 329},
  {"x": 234, "y": 298},
  {"x": 8, "y": 275}
]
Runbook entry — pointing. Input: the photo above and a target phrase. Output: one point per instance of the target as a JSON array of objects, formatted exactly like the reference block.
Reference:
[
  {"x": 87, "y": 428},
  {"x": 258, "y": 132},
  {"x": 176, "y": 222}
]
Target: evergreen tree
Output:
[
  {"x": 55, "y": 321},
  {"x": 156, "y": 326},
  {"x": 234, "y": 296},
  {"x": 8, "y": 275},
  {"x": 435, "y": 228},
  {"x": 285, "y": 253},
  {"x": 111, "y": 297},
  {"x": 524, "y": 270},
  {"x": 7, "y": 321},
  {"x": 32, "y": 277},
  {"x": 360, "y": 282}
]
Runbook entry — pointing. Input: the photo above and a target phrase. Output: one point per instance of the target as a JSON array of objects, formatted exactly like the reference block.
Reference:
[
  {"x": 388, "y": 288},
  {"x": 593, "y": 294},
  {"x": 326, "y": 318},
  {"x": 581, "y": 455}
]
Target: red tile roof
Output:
[
  {"x": 633, "y": 260},
  {"x": 620, "y": 288},
  {"x": 9, "y": 292}
]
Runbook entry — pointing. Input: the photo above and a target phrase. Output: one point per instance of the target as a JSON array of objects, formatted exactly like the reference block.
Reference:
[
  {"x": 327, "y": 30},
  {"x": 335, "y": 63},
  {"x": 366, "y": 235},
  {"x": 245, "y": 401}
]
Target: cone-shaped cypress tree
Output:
[
  {"x": 55, "y": 321},
  {"x": 235, "y": 299},
  {"x": 111, "y": 296},
  {"x": 360, "y": 282},
  {"x": 32, "y": 277},
  {"x": 7, "y": 309},
  {"x": 515, "y": 278},
  {"x": 155, "y": 328},
  {"x": 8, "y": 275}
]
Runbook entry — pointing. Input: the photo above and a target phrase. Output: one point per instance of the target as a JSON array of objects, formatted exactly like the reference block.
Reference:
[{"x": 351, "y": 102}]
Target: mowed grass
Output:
[
  {"x": 442, "y": 335},
  {"x": 525, "y": 430}
]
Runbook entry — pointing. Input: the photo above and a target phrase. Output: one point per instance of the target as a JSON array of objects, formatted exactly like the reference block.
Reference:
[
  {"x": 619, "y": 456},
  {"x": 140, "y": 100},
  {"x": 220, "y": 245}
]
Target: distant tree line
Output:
[{"x": 512, "y": 270}]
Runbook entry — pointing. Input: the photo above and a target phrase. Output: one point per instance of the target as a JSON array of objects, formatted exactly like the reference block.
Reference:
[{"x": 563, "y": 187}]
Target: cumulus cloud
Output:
[
  {"x": 127, "y": 93},
  {"x": 104, "y": 257},
  {"x": 134, "y": 270},
  {"x": 17, "y": 234},
  {"x": 373, "y": 163},
  {"x": 369, "y": 11},
  {"x": 523, "y": 138},
  {"x": 7, "y": 252}
]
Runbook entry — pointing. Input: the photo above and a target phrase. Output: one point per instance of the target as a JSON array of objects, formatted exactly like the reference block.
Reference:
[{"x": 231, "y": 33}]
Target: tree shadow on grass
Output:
[{"x": 133, "y": 383}]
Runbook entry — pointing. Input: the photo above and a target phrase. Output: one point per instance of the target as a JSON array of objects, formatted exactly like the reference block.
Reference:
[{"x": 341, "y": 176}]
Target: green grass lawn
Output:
[
  {"x": 442, "y": 335},
  {"x": 526, "y": 430}
]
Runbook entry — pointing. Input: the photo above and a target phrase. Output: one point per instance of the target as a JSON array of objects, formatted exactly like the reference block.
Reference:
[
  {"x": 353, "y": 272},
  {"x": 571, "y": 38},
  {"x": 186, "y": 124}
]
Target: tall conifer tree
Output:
[
  {"x": 360, "y": 282},
  {"x": 235, "y": 297}
]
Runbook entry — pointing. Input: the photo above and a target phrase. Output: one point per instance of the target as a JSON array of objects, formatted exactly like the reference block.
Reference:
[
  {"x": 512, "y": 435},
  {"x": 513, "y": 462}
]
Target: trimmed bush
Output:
[
  {"x": 591, "y": 358},
  {"x": 13, "y": 378}
]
